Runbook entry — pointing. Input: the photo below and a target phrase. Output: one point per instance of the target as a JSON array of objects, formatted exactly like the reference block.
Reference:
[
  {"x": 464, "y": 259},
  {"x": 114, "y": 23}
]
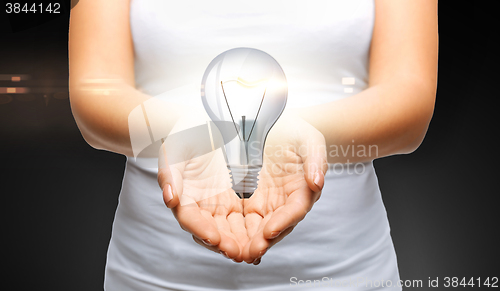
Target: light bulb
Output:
[{"x": 247, "y": 87}]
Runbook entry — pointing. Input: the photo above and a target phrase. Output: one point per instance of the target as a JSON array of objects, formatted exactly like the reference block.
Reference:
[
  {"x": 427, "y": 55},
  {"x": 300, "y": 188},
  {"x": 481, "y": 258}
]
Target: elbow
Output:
[
  {"x": 79, "y": 114},
  {"x": 422, "y": 109},
  {"x": 90, "y": 139},
  {"x": 412, "y": 145},
  {"x": 87, "y": 135},
  {"x": 102, "y": 113},
  {"x": 415, "y": 135}
]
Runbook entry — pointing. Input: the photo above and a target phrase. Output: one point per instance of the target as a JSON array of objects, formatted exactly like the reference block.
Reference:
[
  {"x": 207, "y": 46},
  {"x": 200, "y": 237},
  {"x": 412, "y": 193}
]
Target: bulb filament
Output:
[{"x": 243, "y": 117}]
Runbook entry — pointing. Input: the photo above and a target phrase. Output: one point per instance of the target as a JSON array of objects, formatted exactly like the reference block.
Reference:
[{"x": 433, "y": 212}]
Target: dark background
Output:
[{"x": 59, "y": 195}]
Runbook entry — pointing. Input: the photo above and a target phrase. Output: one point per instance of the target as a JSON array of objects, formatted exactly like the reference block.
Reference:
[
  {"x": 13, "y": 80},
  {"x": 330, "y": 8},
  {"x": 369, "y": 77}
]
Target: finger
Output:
[
  {"x": 295, "y": 209},
  {"x": 245, "y": 253},
  {"x": 280, "y": 237},
  {"x": 237, "y": 225},
  {"x": 257, "y": 236},
  {"x": 314, "y": 157},
  {"x": 207, "y": 246},
  {"x": 314, "y": 171},
  {"x": 214, "y": 249},
  {"x": 167, "y": 183},
  {"x": 315, "y": 162},
  {"x": 260, "y": 245},
  {"x": 192, "y": 220},
  {"x": 227, "y": 247},
  {"x": 166, "y": 180},
  {"x": 228, "y": 244},
  {"x": 252, "y": 223}
]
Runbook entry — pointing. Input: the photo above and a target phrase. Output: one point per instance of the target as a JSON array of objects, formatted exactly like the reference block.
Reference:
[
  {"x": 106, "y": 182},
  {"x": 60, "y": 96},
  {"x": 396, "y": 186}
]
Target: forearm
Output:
[
  {"x": 383, "y": 120},
  {"x": 110, "y": 113},
  {"x": 114, "y": 116}
]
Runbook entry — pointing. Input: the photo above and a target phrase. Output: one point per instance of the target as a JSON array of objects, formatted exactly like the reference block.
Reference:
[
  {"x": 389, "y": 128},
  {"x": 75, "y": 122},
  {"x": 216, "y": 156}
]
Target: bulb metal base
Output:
[{"x": 246, "y": 178}]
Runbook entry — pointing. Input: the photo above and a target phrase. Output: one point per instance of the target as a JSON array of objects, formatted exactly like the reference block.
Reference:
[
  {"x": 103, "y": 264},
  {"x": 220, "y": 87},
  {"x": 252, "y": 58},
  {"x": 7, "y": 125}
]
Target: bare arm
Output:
[
  {"x": 394, "y": 112},
  {"x": 102, "y": 88}
]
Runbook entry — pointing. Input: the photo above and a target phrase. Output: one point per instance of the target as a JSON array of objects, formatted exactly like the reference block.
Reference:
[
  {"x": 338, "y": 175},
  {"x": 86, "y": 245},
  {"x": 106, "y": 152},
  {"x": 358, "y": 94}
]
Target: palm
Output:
[
  {"x": 281, "y": 200},
  {"x": 208, "y": 205},
  {"x": 204, "y": 204}
]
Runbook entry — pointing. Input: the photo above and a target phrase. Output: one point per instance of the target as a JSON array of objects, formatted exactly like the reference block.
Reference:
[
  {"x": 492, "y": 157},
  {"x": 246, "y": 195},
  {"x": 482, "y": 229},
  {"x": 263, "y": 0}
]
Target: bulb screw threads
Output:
[{"x": 246, "y": 178}]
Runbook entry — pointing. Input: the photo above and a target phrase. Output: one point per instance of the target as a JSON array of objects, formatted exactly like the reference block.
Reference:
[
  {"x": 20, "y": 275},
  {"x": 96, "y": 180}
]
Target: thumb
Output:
[
  {"x": 315, "y": 162},
  {"x": 166, "y": 180},
  {"x": 314, "y": 171}
]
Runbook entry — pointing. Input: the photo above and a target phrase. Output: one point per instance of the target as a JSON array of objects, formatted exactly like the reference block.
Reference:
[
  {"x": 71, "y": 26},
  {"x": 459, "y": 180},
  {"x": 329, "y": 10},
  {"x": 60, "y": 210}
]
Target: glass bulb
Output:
[{"x": 247, "y": 87}]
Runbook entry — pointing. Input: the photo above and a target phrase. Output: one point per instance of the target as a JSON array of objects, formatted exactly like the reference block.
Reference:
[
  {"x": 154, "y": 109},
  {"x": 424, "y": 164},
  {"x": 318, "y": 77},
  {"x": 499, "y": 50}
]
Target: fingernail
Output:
[
  {"x": 208, "y": 242},
  {"x": 168, "y": 194},
  {"x": 317, "y": 179},
  {"x": 224, "y": 254},
  {"x": 274, "y": 234},
  {"x": 262, "y": 253},
  {"x": 256, "y": 262}
]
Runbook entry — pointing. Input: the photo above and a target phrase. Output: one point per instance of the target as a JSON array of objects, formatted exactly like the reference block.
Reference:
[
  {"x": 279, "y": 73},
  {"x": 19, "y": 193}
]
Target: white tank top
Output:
[{"x": 323, "y": 46}]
